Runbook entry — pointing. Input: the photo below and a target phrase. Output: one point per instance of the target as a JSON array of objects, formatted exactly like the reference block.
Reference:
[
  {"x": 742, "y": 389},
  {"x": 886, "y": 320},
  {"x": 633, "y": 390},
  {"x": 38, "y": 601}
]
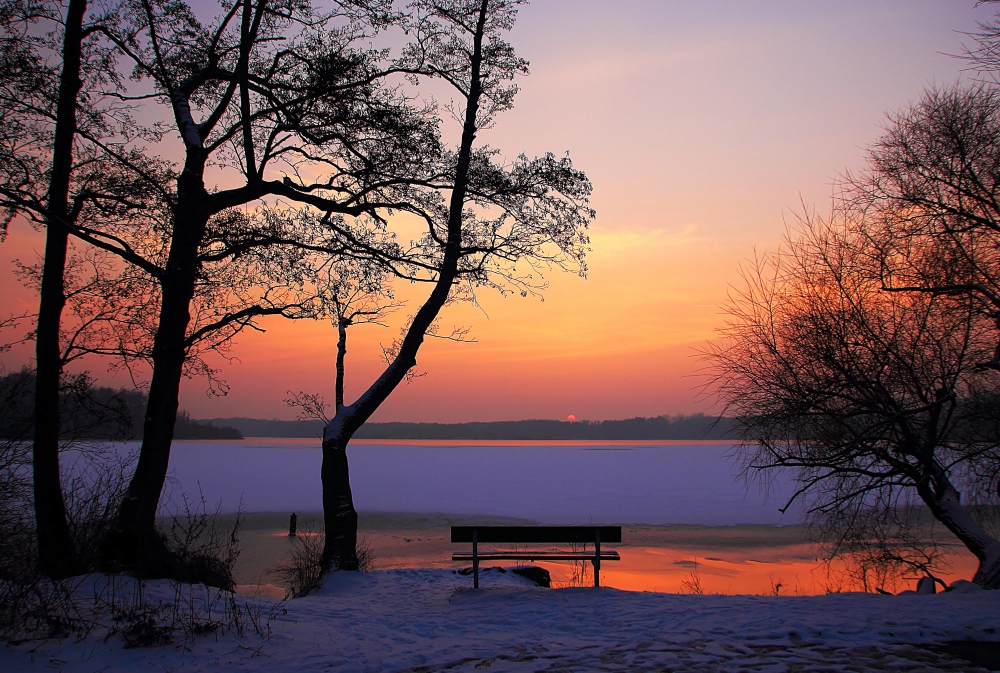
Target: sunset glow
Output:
[
  {"x": 453, "y": 335},
  {"x": 702, "y": 133},
  {"x": 668, "y": 560}
]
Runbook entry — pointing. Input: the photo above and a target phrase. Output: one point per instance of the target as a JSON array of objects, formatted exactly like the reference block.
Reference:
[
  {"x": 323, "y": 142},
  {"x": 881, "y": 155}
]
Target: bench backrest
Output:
[{"x": 538, "y": 534}]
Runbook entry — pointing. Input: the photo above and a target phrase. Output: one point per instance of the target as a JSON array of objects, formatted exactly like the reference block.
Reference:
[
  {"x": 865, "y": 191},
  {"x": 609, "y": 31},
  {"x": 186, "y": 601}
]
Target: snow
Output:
[{"x": 431, "y": 620}]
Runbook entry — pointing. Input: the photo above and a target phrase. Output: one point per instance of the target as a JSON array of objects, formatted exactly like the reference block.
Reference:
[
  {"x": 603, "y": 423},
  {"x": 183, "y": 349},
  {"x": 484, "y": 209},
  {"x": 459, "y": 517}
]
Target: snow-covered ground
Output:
[{"x": 430, "y": 620}]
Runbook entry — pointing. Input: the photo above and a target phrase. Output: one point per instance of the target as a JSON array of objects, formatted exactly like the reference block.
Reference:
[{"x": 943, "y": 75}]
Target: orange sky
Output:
[{"x": 701, "y": 125}]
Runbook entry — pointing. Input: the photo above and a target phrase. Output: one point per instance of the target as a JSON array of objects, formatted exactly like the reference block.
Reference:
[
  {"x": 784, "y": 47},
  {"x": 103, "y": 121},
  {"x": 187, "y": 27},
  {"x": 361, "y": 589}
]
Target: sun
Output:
[{"x": 571, "y": 418}]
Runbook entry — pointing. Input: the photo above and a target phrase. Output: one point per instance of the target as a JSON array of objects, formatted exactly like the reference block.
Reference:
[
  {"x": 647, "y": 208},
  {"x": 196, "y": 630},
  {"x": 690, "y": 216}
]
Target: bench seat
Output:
[
  {"x": 535, "y": 556},
  {"x": 542, "y": 535}
]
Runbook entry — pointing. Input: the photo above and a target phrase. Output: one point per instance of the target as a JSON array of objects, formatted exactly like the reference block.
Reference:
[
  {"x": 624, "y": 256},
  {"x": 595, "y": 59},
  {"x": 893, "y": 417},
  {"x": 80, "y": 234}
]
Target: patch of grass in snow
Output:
[
  {"x": 692, "y": 585},
  {"x": 302, "y": 572},
  {"x": 36, "y": 607}
]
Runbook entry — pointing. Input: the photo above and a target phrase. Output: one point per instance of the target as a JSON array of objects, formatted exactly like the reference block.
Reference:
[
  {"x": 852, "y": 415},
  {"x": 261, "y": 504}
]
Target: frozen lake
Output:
[{"x": 549, "y": 482}]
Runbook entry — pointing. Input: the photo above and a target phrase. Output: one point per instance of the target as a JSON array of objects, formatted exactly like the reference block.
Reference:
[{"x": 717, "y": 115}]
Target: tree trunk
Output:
[
  {"x": 56, "y": 554},
  {"x": 136, "y": 544},
  {"x": 339, "y": 516},
  {"x": 342, "y": 325},
  {"x": 340, "y": 519},
  {"x": 944, "y": 501},
  {"x": 988, "y": 574}
]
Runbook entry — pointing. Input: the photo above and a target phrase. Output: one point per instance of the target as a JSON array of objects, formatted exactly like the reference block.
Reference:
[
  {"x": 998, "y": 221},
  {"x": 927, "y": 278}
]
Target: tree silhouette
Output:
[
  {"x": 297, "y": 141},
  {"x": 485, "y": 220},
  {"x": 274, "y": 100},
  {"x": 53, "y": 67},
  {"x": 866, "y": 395},
  {"x": 931, "y": 196}
]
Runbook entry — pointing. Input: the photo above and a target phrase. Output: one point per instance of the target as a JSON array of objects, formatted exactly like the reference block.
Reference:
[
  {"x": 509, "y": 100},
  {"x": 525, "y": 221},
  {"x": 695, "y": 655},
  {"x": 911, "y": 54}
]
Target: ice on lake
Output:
[{"x": 548, "y": 482}]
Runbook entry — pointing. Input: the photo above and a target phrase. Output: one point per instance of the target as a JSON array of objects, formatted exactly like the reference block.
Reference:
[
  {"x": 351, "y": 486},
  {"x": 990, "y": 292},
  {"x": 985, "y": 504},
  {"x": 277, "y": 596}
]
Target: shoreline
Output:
[
  {"x": 316, "y": 442},
  {"x": 741, "y": 559}
]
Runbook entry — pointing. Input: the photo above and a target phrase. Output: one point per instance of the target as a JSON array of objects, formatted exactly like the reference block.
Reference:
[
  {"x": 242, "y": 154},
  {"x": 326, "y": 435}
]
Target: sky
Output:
[{"x": 704, "y": 128}]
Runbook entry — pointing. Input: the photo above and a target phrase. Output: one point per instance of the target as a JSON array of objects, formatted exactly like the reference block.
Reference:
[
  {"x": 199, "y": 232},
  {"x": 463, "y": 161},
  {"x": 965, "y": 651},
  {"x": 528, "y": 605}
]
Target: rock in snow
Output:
[
  {"x": 926, "y": 586},
  {"x": 964, "y": 587}
]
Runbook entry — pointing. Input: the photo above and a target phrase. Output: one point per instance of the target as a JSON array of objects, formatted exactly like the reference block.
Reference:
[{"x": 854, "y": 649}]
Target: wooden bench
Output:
[{"x": 595, "y": 535}]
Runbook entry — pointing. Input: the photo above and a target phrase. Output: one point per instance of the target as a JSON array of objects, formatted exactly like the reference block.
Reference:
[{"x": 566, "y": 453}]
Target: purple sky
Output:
[{"x": 702, "y": 126}]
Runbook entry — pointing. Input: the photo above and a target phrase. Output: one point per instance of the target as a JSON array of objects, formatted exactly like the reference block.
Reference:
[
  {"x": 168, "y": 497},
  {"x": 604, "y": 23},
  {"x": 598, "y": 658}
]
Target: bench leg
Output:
[{"x": 597, "y": 559}]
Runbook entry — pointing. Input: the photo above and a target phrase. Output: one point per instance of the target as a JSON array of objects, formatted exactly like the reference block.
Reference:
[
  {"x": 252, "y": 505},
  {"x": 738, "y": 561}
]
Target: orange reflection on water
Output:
[
  {"x": 730, "y": 560},
  {"x": 795, "y": 571}
]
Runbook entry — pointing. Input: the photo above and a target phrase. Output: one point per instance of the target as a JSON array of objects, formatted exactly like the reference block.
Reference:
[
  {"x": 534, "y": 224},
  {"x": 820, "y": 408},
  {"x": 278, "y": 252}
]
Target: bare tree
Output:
[
  {"x": 275, "y": 100},
  {"x": 858, "y": 391},
  {"x": 493, "y": 224},
  {"x": 265, "y": 91},
  {"x": 53, "y": 67},
  {"x": 983, "y": 54},
  {"x": 56, "y": 553},
  {"x": 353, "y": 292},
  {"x": 930, "y": 196}
]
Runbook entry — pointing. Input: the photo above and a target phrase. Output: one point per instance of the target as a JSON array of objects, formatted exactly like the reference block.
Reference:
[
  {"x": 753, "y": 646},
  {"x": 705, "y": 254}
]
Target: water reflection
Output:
[{"x": 763, "y": 560}]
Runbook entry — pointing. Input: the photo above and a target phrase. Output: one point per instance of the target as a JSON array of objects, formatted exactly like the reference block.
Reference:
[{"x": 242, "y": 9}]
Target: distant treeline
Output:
[
  {"x": 91, "y": 412},
  {"x": 693, "y": 427}
]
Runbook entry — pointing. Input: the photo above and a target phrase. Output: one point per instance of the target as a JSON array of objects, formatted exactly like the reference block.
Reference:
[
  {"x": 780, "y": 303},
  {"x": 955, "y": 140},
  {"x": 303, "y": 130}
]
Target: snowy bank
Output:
[{"x": 406, "y": 619}]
